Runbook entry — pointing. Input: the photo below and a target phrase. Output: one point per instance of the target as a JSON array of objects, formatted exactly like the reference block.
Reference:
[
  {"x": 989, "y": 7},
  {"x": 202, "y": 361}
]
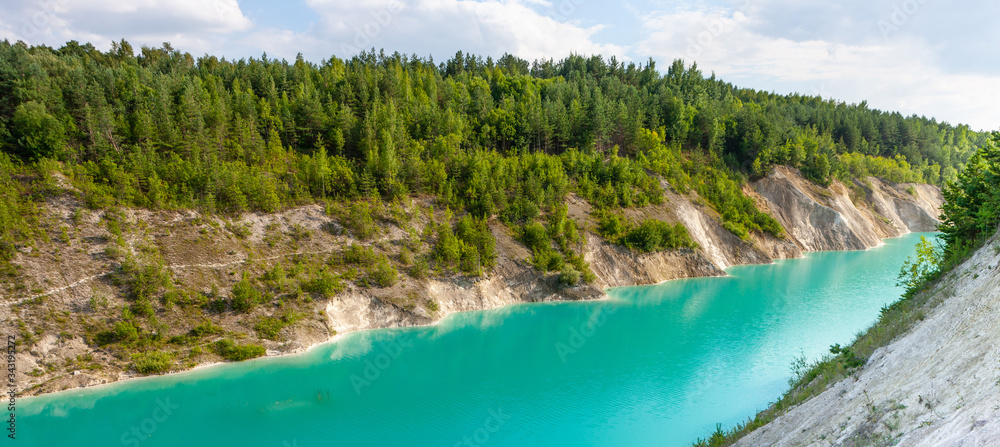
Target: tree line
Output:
[{"x": 159, "y": 128}]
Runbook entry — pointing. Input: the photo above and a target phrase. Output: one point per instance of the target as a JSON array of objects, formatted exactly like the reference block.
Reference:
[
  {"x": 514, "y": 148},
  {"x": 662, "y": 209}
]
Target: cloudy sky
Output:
[{"x": 925, "y": 57}]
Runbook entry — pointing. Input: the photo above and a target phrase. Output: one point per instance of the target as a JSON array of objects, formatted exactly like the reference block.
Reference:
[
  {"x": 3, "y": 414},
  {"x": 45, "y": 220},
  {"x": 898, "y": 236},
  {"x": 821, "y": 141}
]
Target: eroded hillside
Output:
[
  {"x": 937, "y": 385},
  {"x": 289, "y": 280}
]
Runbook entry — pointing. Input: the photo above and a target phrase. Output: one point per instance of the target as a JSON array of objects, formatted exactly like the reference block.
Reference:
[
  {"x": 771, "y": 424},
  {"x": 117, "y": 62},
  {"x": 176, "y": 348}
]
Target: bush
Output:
[
  {"x": 360, "y": 221},
  {"x": 237, "y": 353},
  {"x": 326, "y": 284},
  {"x": 356, "y": 254},
  {"x": 384, "y": 274},
  {"x": 143, "y": 281},
  {"x": 245, "y": 296},
  {"x": 143, "y": 308},
  {"x": 218, "y": 305},
  {"x": 736, "y": 228},
  {"x": 205, "y": 329},
  {"x": 916, "y": 273},
  {"x": 650, "y": 236},
  {"x": 612, "y": 227},
  {"x": 152, "y": 362},
  {"x": 448, "y": 249},
  {"x": 569, "y": 275},
  {"x": 122, "y": 332},
  {"x": 420, "y": 269},
  {"x": 270, "y": 327}
]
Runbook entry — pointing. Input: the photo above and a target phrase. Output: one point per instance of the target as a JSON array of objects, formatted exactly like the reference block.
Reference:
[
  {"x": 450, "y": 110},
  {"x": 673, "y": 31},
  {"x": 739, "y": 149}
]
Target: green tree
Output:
[
  {"x": 918, "y": 270},
  {"x": 39, "y": 134}
]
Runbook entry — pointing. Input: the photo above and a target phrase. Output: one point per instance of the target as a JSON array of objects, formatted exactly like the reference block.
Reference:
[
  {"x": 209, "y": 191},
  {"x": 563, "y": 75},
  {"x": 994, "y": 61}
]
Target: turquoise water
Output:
[{"x": 657, "y": 365}]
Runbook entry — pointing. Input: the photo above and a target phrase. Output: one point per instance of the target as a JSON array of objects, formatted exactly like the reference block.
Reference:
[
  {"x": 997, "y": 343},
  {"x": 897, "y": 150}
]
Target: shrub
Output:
[
  {"x": 121, "y": 332},
  {"x": 218, "y": 305},
  {"x": 360, "y": 221},
  {"x": 650, "y": 236},
  {"x": 917, "y": 273},
  {"x": 143, "y": 308},
  {"x": 143, "y": 281},
  {"x": 326, "y": 284},
  {"x": 245, "y": 296},
  {"x": 152, "y": 362},
  {"x": 569, "y": 275},
  {"x": 448, "y": 249},
  {"x": 384, "y": 274},
  {"x": 420, "y": 269},
  {"x": 275, "y": 277},
  {"x": 736, "y": 228},
  {"x": 205, "y": 329},
  {"x": 270, "y": 327},
  {"x": 231, "y": 351},
  {"x": 612, "y": 227},
  {"x": 356, "y": 254}
]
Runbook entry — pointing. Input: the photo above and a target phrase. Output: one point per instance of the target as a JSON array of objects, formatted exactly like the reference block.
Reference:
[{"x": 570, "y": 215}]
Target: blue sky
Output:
[{"x": 925, "y": 57}]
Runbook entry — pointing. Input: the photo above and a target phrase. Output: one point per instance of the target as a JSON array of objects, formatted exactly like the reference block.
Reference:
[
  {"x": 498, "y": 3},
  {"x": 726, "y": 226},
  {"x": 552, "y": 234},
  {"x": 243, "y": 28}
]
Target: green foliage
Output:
[
  {"x": 40, "y": 134},
  {"x": 270, "y": 327},
  {"x": 205, "y": 329},
  {"x": 655, "y": 235},
  {"x": 971, "y": 211},
  {"x": 649, "y": 236},
  {"x": 555, "y": 247},
  {"x": 613, "y": 181},
  {"x": 325, "y": 284},
  {"x": 420, "y": 269},
  {"x": 359, "y": 255},
  {"x": 143, "y": 281},
  {"x": 894, "y": 169},
  {"x": 360, "y": 222},
  {"x": 152, "y": 362},
  {"x": 121, "y": 332},
  {"x": 245, "y": 297},
  {"x": 916, "y": 272},
  {"x": 817, "y": 169},
  {"x": 740, "y": 214},
  {"x": 569, "y": 275},
  {"x": 16, "y": 213},
  {"x": 470, "y": 246},
  {"x": 168, "y": 130},
  {"x": 237, "y": 353},
  {"x": 846, "y": 356},
  {"x": 383, "y": 273}
]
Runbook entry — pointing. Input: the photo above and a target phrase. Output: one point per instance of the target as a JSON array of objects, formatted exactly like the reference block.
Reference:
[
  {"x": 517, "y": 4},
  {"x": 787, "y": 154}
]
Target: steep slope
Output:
[
  {"x": 72, "y": 287},
  {"x": 937, "y": 385},
  {"x": 843, "y": 218}
]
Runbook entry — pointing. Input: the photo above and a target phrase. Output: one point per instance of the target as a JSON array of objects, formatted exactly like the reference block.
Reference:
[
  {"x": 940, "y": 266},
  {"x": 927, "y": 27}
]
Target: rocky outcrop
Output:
[
  {"x": 203, "y": 252},
  {"x": 937, "y": 385},
  {"x": 847, "y": 218}
]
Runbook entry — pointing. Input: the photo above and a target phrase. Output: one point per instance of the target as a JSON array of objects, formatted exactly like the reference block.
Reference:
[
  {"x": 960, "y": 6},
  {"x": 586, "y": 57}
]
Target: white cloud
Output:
[
  {"x": 938, "y": 60},
  {"x": 901, "y": 73},
  {"x": 528, "y": 28},
  {"x": 194, "y": 25}
]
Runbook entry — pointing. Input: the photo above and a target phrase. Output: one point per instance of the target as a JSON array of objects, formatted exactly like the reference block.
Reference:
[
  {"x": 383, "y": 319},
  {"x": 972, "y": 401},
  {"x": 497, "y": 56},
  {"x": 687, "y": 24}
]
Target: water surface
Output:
[{"x": 658, "y": 365}]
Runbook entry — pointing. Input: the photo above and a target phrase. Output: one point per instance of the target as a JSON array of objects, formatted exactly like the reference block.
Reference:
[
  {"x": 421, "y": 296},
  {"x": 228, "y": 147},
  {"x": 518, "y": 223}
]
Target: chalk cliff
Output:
[
  {"x": 71, "y": 287},
  {"x": 936, "y": 385}
]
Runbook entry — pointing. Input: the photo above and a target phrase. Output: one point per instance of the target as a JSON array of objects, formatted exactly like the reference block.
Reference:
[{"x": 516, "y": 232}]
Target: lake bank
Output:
[{"x": 628, "y": 367}]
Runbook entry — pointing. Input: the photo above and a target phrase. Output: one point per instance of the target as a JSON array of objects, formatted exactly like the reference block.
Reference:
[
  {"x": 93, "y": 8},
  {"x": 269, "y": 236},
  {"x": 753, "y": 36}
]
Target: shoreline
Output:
[{"x": 339, "y": 336}]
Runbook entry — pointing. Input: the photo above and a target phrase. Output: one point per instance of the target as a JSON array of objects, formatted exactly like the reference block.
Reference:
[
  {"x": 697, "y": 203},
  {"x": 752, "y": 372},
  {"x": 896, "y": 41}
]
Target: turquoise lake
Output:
[{"x": 658, "y": 365}]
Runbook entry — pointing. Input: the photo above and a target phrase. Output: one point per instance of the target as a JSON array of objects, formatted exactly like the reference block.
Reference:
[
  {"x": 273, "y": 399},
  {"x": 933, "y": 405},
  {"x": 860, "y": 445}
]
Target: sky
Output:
[{"x": 926, "y": 57}]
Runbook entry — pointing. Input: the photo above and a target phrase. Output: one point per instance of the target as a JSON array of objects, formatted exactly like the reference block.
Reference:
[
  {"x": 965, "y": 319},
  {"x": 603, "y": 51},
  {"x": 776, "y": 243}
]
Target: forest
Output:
[{"x": 503, "y": 139}]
